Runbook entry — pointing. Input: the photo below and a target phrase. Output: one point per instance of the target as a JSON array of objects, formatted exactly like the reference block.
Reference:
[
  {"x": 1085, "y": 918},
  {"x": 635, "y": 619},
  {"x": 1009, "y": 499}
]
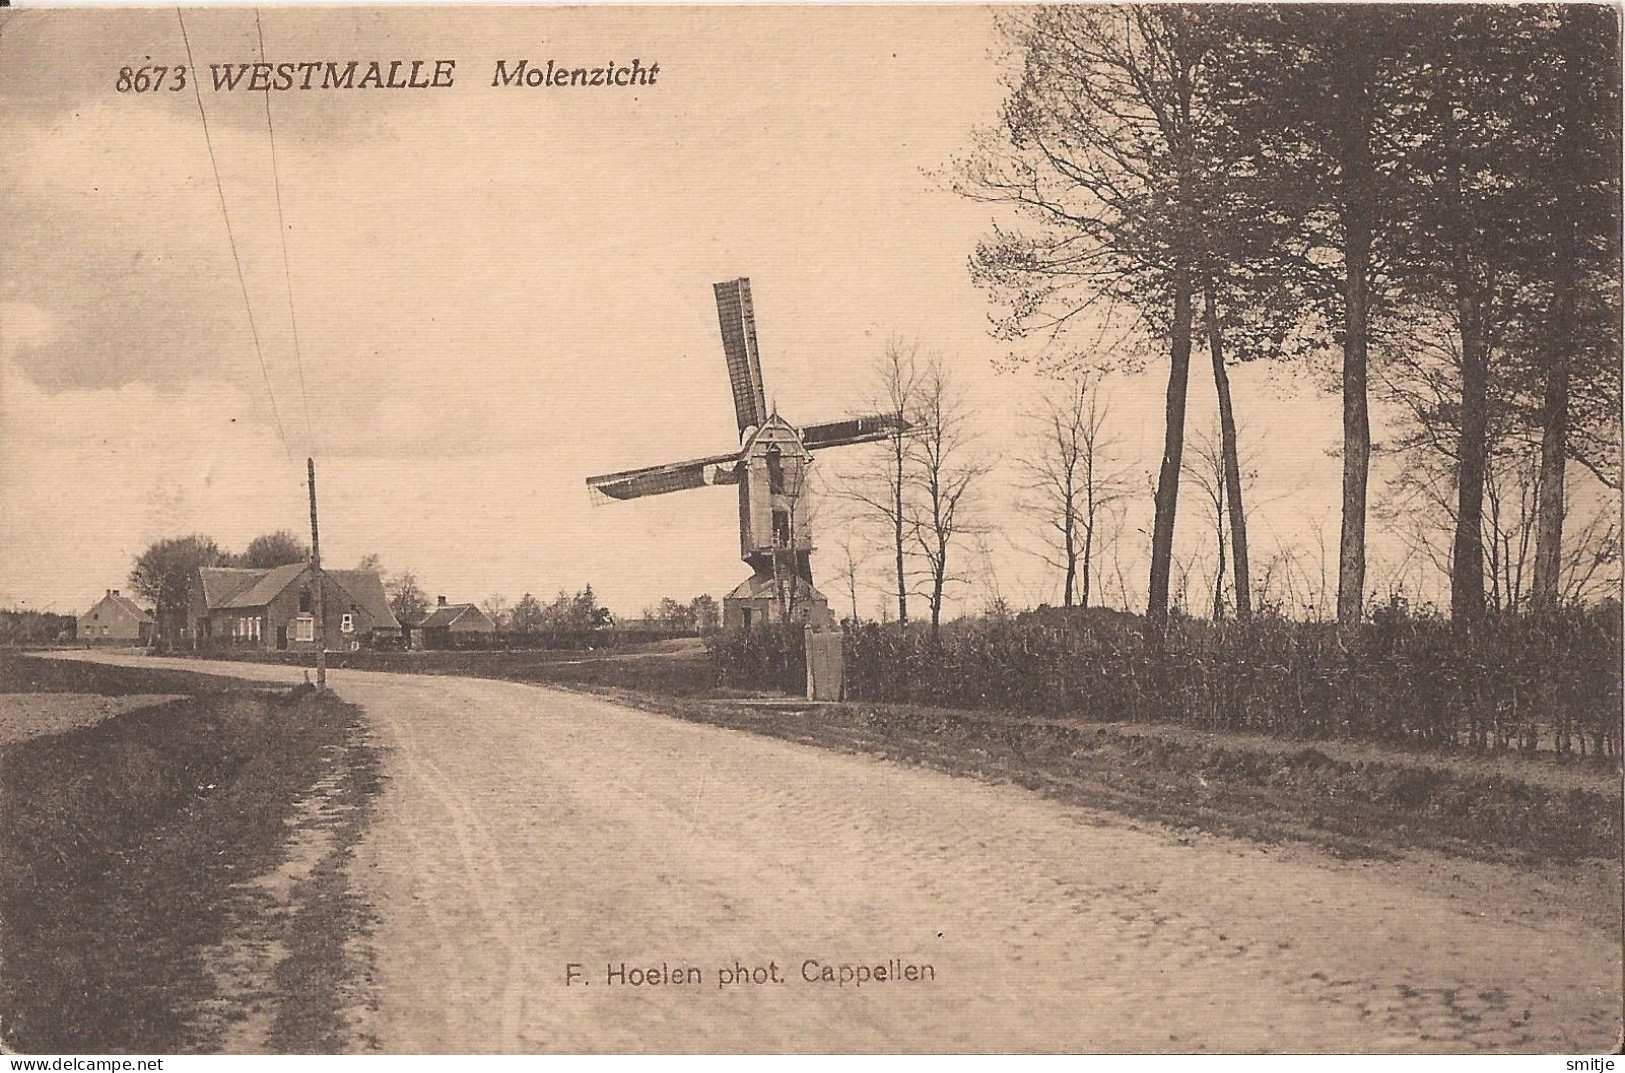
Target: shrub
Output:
[
  {"x": 765, "y": 657},
  {"x": 1526, "y": 683}
]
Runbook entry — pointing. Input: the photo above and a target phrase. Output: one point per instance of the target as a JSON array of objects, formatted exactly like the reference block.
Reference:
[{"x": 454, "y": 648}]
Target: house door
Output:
[{"x": 281, "y": 638}]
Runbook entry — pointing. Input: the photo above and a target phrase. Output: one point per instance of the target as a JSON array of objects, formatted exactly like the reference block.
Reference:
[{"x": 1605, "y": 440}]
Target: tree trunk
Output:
[
  {"x": 1553, "y": 462},
  {"x": 939, "y": 581},
  {"x": 1070, "y": 541},
  {"x": 1547, "y": 585},
  {"x": 1173, "y": 450},
  {"x": 1232, "y": 461},
  {"x": 1088, "y": 543},
  {"x": 1356, "y": 437},
  {"x": 1467, "y": 562},
  {"x": 897, "y": 524},
  {"x": 1356, "y": 166}
]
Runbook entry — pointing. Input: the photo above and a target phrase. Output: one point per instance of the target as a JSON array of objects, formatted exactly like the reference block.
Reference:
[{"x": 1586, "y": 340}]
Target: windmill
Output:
[{"x": 770, "y": 467}]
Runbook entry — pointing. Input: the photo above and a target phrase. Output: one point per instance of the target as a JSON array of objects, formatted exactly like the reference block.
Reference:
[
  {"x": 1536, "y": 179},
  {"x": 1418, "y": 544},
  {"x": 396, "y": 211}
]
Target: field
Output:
[
  {"x": 130, "y": 812},
  {"x": 674, "y": 668}
]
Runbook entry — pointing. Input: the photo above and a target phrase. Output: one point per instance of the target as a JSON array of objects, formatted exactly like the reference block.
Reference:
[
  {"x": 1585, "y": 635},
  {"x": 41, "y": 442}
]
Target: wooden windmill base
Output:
[{"x": 760, "y": 600}]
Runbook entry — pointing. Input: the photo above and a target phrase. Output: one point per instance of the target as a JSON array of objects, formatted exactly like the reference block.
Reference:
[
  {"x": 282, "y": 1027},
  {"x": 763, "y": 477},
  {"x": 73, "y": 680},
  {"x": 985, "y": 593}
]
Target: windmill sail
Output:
[
  {"x": 671, "y": 477},
  {"x": 866, "y": 429},
  {"x": 738, "y": 322}
]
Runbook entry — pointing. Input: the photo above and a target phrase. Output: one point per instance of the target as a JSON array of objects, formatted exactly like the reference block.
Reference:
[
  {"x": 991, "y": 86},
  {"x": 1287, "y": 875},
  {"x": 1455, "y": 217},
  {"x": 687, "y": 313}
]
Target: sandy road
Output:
[{"x": 524, "y": 830}]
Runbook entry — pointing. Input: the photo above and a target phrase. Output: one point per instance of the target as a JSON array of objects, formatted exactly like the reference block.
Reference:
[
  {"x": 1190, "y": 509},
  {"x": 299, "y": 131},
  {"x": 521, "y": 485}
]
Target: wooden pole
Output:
[{"x": 316, "y": 568}]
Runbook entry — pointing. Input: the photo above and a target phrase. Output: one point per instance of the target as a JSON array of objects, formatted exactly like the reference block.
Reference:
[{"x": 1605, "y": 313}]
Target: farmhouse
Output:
[
  {"x": 453, "y": 626},
  {"x": 116, "y": 620},
  {"x": 275, "y": 609}
]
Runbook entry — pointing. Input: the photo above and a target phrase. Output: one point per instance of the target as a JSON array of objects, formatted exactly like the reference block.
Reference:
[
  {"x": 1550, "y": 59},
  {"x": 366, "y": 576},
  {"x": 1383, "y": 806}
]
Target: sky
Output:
[{"x": 501, "y": 291}]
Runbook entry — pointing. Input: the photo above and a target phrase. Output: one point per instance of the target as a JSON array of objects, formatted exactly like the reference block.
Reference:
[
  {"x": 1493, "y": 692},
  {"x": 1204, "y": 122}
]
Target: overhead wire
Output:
[
  {"x": 282, "y": 230},
  {"x": 231, "y": 238}
]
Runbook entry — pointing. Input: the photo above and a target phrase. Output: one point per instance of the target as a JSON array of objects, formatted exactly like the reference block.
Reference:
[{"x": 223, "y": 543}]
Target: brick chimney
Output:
[{"x": 442, "y": 600}]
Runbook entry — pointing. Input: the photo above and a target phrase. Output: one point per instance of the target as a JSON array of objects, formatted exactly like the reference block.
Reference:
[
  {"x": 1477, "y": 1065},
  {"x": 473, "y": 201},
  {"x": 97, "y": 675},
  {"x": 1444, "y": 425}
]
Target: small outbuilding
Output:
[{"x": 453, "y": 626}]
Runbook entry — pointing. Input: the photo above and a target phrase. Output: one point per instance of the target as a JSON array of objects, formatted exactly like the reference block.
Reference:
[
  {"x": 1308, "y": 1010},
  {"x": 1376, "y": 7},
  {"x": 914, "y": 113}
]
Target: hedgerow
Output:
[{"x": 1528, "y": 683}]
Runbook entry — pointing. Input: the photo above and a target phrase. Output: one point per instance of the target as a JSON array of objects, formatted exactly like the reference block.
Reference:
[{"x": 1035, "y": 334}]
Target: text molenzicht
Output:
[
  {"x": 555, "y": 74},
  {"x": 334, "y": 74}
]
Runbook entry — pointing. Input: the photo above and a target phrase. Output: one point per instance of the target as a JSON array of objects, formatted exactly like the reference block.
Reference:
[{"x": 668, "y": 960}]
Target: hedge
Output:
[{"x": 1528, "y": 683}]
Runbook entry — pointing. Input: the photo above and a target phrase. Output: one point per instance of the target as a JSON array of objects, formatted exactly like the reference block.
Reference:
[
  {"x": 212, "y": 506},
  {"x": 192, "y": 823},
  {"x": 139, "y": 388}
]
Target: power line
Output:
[
  {"x": 231, "y": 238},
  {"x": 282, "y": 230}
]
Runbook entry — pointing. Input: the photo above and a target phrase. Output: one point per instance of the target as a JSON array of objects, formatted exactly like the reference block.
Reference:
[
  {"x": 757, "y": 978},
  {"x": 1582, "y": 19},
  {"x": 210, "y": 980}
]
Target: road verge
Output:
[{"x": 135, "y": 850}]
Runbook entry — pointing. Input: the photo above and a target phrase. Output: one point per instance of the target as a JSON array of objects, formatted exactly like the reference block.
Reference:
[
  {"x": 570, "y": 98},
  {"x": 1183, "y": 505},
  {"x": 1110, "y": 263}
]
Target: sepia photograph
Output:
[{"x": 1159, "y": 591}]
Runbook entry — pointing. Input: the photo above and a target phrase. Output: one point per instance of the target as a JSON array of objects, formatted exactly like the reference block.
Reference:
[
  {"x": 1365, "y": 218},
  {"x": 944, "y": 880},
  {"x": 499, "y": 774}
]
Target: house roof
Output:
[
  {"x": 367, "y": 590},
  {"x": 267, "y": 586},
  {"x": 221, "y": 583},
  {"x": 131, "y": 606},
  {"x": 235, "y": 587},
  {"x": 448, "y": 614},
  {"x": 757, "y": 586},
  {"x": 125, "y": 604}
]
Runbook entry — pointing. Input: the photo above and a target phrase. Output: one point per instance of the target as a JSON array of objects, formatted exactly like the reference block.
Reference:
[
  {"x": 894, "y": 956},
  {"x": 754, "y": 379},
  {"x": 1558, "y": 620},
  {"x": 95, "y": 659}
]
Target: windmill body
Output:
[{"x": 770, "y": 468}]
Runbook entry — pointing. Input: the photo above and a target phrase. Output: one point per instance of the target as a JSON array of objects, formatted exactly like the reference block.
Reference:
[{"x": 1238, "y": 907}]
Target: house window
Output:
[
  {"x": 254, "y": 628},
  {"x": 781, "y": 528},
  {"x": 304, "y": 603},
  {"x": 304, "y": 628},
  {"x": 348, "y": 623}
]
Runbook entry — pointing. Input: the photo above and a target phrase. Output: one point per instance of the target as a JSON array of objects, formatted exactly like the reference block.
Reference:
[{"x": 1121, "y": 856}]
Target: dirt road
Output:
[{"x": 527, "y": 835}]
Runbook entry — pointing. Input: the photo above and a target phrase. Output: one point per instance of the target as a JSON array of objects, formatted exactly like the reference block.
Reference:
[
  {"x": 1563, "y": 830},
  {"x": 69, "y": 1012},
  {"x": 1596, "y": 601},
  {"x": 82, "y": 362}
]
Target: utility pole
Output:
[{"x": 316, "y": 568}]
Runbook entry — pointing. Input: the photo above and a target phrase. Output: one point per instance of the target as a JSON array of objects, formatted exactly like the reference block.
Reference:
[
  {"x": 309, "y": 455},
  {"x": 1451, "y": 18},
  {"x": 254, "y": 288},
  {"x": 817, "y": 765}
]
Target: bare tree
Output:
[
  {"x": 995, "y": 605},
  {"x": 1590, "y": 568},
  {"x": 881, "y": 488},
  {"x": 497, "y": 608},
  {"x": 851, "y": 556},
  {"x": 1321, "y": 598},
  {"x": 1421, "y": 503},
  {"x": 406, "y": 597},
  {"x": 945, "y": 465},
  {"x": 1180, "y": 575},
  {"x": 1101, "y": 152},
  {"x": 1216, "y": 466},
  {"x": 1422, "y": 499},
  {"x": 1070, "y": 477},
  {"x": 1204, "y": 464}
]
